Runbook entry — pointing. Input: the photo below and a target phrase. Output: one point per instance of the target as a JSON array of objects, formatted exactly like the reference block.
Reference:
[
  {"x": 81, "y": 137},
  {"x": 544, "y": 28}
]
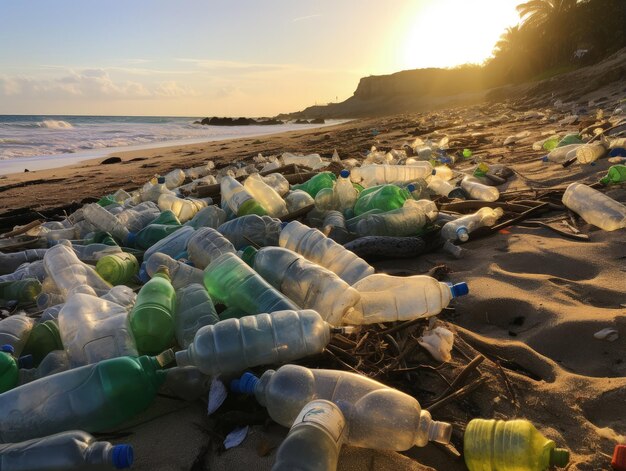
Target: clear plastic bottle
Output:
[
  {"x": 595, "y": 207},
  {"x": 211, "y": 216},
  {"x": 138, "y": 217},
  {"x": 278, "y": 182},
  {"x": 34, "y": 270},
  {"x": 199, "y": 171},
  {"x": 306, "y": 283},
  {"x": 460, "y": 228},
  {"x": 442, "y": 172},
  {"x": 93, "y": 252},
  {"x": 174, "y": 178},
  {"x": 238, "y": 198},
  {"x": 478, "y": 191},
  {"x": 371, "y": 175},
  {"x": 314, "y": 440},
  {"x": 341, "y": 197},
  {"x": 207, "y": 244},
  {"x": 298, "y": 199},
  {"x": 378, "y": 416},
  {"x": 251, "y": 229},
  {"x": 233, "y": 345},
  {"x": 54, "y": 362},
  {"x": 69, "y": 273},
  {"x": 184, "y": 209},
  {"x": 316, "y": 247},
  {"x": 334, "y": 227},
  {"x": 94, "y": 398},
  {"x": 271, "y": 201},
  {"x": 589, "y": 153},
  {"x": 172, "y": 245},
  {"x": 180, "y": 273},
  {"x": 230, "y": 280},
  {"x": 408, "y": 220},
  {"x": 105, "y": 221},
  {"x": 71, "y": 450},
  {"x": 313, "y": 161},
  {"x": 194, "y": 310},
  {"x": 439, "y": 186},
  {"x": 93, "y": 329},
  {"x": 386, "y": 298},
  {"x": 152, "y": 317},
  {"x": 559, "y": 154},
  {"x": 9, "y": 262},
  {"x": 490, "y": 445},
  {"x": 15, "y": 330},
  {"x": 119, "y": 268},
  {"x": 151, "y": 192}
]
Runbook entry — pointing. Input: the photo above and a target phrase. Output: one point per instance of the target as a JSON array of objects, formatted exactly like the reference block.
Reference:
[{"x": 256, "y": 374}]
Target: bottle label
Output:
[{"x": 325, "y": 414}]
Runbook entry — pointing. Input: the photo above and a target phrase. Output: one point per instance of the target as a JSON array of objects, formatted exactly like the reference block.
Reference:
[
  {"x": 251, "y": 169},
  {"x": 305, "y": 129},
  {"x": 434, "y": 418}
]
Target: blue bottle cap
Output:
[
  {"x": 544, "y": 158},
  {"x": 459, "y": 289},
  {"x": 26, "y": 361},
  {"x": 123, "y": 456},
  {"x": 344, "y": 173},
  {"x": 245, "y": 384},
  {"x": 8, "y": 349},
  {"x": 143, "y": 273},
  {"x": 161, "y": 180},
  {"x": 410, "y": 187}
]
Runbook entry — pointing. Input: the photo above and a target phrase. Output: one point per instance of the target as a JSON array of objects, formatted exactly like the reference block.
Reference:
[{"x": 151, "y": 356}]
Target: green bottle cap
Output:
[{"x": 559, "y": 457}]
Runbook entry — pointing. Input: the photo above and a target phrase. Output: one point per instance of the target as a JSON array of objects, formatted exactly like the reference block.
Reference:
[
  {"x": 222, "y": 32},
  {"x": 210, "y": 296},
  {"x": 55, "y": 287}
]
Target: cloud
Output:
[
  {"x": 225, "y": 67},
  {"x": 172, "y": 89},
  {"x": 308, "y": 17}
]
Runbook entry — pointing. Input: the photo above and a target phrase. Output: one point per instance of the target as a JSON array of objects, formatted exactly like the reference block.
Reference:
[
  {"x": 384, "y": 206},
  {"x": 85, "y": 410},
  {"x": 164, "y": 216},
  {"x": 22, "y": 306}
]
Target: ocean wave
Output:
[{"x": 54, "y": 124}]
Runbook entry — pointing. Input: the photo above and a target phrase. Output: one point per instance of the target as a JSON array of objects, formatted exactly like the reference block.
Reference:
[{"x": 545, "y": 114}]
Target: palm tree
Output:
[{"x": 536, "y": 13}]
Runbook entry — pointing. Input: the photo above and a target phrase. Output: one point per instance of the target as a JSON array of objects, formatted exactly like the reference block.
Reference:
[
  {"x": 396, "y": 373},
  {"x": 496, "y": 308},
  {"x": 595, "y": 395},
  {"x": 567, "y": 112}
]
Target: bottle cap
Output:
[
  {"x": 245, "y": 384},
  {"x": 161, "y": 180},
  {"x": 410, "y": 187},
  {"x": 26, "y": 361},
  {"x": 459, "y": 289},
  {"x": 8, "y": 349},
  {"x": 544, "y": 158},
  {"x": 559, "y": 457},
  {"x": 344, "y": 173},
  {"x": 434, "y": 172},
  {"x": 122, "y": 456},
  {"x": 618, "y": 463},
  {"x": 462, "y": 234}
]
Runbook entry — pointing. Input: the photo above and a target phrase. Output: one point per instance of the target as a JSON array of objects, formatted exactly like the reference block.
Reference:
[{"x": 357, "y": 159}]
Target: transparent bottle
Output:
[
  {"x": 23, "y": 291},
  {"x": 138, "y": 217},
  {"x": 15, "y": 330},
  {"x": 194, "y": 310},
  {"x": 54, "y": 362},
  {"x": 460, "y": 228},
  {"x": 211, "y": 216},
  {"x": 378, "y": 416},
  {"x": 334, "y": 227},
  {"x": 152, "y": 317},
  {"x": 439, "y": 186},
  {"x": 180, "y": 273},
  {"x": 119, "y": 268},
  {"x": 595, "y": 207},
  {"x": 152, "y": 192},
  {"x": 228, "y": 279},
  {"x": 313, "y": 161},
  {"x": 207, "y": 244},
  {"x": 442, "y": 172},
  {"x": 69, "y": 273},
  {"x": 341, "y": 197},
  {"x": 184, "y": 209},
  {"x": 105, "y": 221},
  {"x": 314, "y": 440},
  {"x": 94, "y": 398},
  {"x": 298, "y": 199},
  {"x": 316, "y": 247},
  {"x": 240, "y": 201},
  {"x": 386, "y": 298},
  {"x": 278, "y": 182},
  {"x": 93, "y": 329},
  {"x": 408, "y": 220},
  {"x": 93, "y": 252},
  {"x": 251, "y": 229},
  {"x": 589, "y": 153},
  {"x": 9, "y": 262},
  {"x": 174, "y": 179},
  {"x": 271, "y": 201},
  {"x": 199, "y": 171},
  {"x": 559, "y": 154},
  {"x": 490, "y": 445},
  {"x": 306, "y": 283},
  {"x": 478, "y": 191},
  {"x": 172, "y": 245},
  {"x": 232, "y": 345},
  {"x": 371, "y": 175}
]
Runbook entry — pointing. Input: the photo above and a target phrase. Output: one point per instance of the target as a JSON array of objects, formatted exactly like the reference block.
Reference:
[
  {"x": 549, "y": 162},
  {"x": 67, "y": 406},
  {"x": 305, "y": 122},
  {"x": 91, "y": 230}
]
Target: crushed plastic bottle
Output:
[
  {"x": 44, "y": 338},
  {"x": 277, "y": 182},
  {"x": 206, "y": 245},
  {"x": 54, "y": 362},
  {"x": 460, "y": 228},
  {"x": 184, "y": 209},
  {"x": 265, "y": 195},
  {"x": 313, "y": 161},
  {"x": 251, "y": 229},
  {"x": 341, "y": 197},
  {"x": 595, "y": 207},
  {"x": 139, "y": 216},
  {"x": 180, "y": 273},
  {"x": 9, "y": 262},
  {"x": 297, "y": 200},
  {"x": 211, "y": 216},
  {"x": 105, "y": 221},
  {"x": 15, "y": 330},
  {"x": 240, "y": 201},
  {"x": 194, "y": 309}
]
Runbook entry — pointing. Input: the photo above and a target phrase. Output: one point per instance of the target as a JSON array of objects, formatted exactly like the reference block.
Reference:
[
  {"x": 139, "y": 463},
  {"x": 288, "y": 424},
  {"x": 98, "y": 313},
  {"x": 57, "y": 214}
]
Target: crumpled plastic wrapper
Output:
[{"x": 438, "y": 342}]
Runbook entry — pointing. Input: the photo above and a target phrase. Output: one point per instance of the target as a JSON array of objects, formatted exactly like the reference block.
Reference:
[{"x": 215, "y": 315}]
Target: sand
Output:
[{"x": 536, "y": 299}]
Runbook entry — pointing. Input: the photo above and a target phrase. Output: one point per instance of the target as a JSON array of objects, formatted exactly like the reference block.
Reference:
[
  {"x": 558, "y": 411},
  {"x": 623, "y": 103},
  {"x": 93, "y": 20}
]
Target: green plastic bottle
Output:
[
  {"x": 118, "y": 268},
  {"x": 43, "y": 339},
  {"x": 315, "y": 184},
  {"x": 570, "y": 139},
  {"x": 513, "y": 445},
  {"x": 100, "y": 238},
  {"x": 167, "y": 217},
  {"x": 383, "y": 197},
  {"x": 106, "y": 200},
  {"x": 616, "y": 174},
  {"x": 152, "y": 317},
  {"x": 550, "y": 144},
  {"x": 232, "y": 313},
  {"x": 150, "y": 235},
  {"x": 23, "y": 291},
  {"x": 9, "y": 372}
]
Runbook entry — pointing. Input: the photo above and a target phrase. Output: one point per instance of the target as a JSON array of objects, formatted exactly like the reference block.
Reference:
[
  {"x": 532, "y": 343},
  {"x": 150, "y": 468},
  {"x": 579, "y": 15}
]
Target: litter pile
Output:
[{"x": 202, "y": 274}]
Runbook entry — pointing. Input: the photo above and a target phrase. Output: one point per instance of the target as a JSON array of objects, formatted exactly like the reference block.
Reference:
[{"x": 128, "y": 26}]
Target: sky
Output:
[{"x": 226, "y": 58}]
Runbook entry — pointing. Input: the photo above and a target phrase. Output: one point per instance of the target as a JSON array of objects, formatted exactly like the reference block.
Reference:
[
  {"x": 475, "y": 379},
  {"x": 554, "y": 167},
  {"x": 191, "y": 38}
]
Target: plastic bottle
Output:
[
  {"x": 316, "y": 183},
  {"x": 72, "y": 450},
  {"x": 69, "y": 273},
  {"x": 187, "y": 383},
  {"x": 313, "y": 161},
  {"x": 180, "y": 273},
  {"x": 297, "y": 200},
  {"x": 460, "y": 228},
  {"x": 316, "y": 247},
  {"x": 138, "y": 217},
  {"x": 444, "y": 188},
  {"x": 589, "y": 153},
  {"x": 595, "y": 207},
  {"x": 207, "y": 244},
  {"x": 478, "y": 191},
  {"x": 442, "y": 172},
  {"x": 386, "y": 298},
  {"x": 94, "y": 398},
  {"x": 251, "y": 229},
  {"x": 9, "y": 262},
  {"x": 379, "y": 417},
  {"x": 14, "y": 331},
  {"x": 278, "y": 183},
  {"x": 238, "y": 198},
  {"x": 490, "y": 445},
  {"x": 91, "y": 253},
  {"x": 173, "y": 245},
  {"x": 271, "y": 201},
  {"x": 199, "y": 171},
  {"x": 184, "y": 209},
  {"x": 9, "y": 374},
  {"x": 194, "y": 310},
  {"x": 383, "y": 197},
  {"x": 54, "y": 362},
  {"x": 44, "y": 338},
  {"x": 371, "y": 175},
  {"x": 174, "y": 178},
  {"x": 93, "y": 329},
  {"x": 406, "y": 221},
  {"x": 230, "y": 280},
  {"x": 341, "y": 197},
  {"x": 211, "y": 216},
  {"x": 119, "y": 268},
  {"x": 152, "y": 192},
  {"x": 314, "y": 440},
  {"x": 334, "y": 226},
  {"x": 307, "y": 284},
  {"x": 151, "y": 319},
  {"x": 559, "y": 154},
  {"x": 233, "y": 345},
  {"x": 105, "y": 221},
  {"x": 616, "y": 174},
  {"x": 150, "y": 235},
  {"x": 570, "y": 139},
  {"x": 232, "y": 313},
  {"x": 23, "y": 291}
]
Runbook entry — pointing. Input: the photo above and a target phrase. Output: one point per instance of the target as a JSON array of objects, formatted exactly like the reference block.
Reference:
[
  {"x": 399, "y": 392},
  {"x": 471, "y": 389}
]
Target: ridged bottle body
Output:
[
  {"x": 194, "y": 310},
  {"x": 240, "y": 201},
  {"x": 105, "y": 221},
  {"x": 265, "y": 195},
  {"x": 180, "y": 273},
  {"x": 260, "y": 230},
  {"x": 402, "y": 222},
  {"x": 138, "y": 217},
  {"x": 15, "y": 330},
  {"x": 478, "y": 191},
  {"x": 119, "y": 268},
  {"x": 184, "y": 209},
  {"x": 595, "y": 207},
  {"x": 371, "y": 175},
  {"x": 172, "y": 245},
  {"x": 207, "y": 244}
]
